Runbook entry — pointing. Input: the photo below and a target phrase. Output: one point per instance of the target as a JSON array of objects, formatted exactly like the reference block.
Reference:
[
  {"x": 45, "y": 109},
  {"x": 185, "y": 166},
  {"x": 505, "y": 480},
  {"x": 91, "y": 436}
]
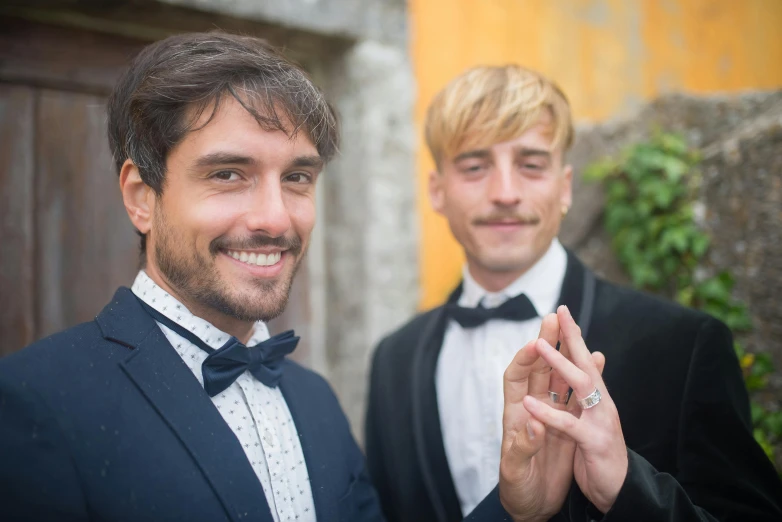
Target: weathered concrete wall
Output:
[
  {"x": 741, "y": 196},
  {"x": 369, "y": 222},
  {"x": 381, "y": 20}
]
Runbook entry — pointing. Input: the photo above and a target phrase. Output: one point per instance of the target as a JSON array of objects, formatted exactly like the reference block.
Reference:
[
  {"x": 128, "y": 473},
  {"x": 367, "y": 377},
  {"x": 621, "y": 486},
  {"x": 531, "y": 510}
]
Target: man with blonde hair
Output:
[{"x": 663, "y": 434}]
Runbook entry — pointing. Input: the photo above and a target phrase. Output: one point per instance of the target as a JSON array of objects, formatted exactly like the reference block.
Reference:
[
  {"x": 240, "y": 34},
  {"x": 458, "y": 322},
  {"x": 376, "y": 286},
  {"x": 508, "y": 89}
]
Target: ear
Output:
[
  {"x": 566, "y": 196},
  {"x": 139, "y": 198},
  {"x": 436, "y": 191}
]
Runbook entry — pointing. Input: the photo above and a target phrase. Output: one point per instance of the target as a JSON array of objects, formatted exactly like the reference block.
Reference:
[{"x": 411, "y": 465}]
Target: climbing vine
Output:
[{"x": 651, "y": 216}]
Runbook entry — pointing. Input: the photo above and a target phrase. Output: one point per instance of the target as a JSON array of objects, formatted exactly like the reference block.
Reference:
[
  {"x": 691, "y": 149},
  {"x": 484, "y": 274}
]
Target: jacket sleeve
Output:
[
  {"x": 38, "y": 479},
  {"x": 722, "y": 472}
]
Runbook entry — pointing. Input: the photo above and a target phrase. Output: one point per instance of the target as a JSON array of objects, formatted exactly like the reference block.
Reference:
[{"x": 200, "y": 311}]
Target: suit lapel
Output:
[
  {"x": 313, "y": 429},
  {"x": 168, "y": 384},
  {"x": 578, "y": 292},
  {"x": 426, "y": 421}
]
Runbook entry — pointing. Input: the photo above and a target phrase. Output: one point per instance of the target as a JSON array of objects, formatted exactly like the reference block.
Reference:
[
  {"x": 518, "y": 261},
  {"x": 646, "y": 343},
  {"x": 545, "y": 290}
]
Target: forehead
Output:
[
  {"x": 232, "y": 126},
  {"x": 538, "y": 136}
]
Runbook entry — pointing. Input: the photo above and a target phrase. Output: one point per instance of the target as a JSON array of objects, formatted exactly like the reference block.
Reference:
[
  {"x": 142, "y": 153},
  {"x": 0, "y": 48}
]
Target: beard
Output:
[{"x": 196, "y": 277}]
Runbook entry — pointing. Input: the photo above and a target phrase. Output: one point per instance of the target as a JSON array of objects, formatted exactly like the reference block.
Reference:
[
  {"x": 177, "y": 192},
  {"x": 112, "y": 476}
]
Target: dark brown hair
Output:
[{"x": 171, "y": 83}]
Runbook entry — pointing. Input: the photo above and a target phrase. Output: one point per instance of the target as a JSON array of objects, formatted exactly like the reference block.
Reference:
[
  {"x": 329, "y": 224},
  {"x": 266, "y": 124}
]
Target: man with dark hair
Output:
[{"x": 174, "y": 403}]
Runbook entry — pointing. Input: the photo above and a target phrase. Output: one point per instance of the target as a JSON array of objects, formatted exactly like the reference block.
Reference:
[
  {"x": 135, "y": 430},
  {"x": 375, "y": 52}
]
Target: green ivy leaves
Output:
[{"x": 650, "y": 190}]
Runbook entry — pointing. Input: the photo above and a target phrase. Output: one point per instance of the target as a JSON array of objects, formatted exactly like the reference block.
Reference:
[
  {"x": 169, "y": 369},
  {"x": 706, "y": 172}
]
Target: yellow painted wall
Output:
[{"x": 608, "y": 56}]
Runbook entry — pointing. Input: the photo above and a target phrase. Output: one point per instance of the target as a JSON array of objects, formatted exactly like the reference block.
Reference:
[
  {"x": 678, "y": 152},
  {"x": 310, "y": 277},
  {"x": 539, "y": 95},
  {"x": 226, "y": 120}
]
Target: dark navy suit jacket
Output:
[{"x": 106, "y": 422}]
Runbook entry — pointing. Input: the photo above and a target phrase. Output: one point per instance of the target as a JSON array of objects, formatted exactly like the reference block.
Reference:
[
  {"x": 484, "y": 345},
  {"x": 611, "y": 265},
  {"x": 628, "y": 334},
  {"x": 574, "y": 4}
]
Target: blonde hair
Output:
[{"x": 487, "y": 105}]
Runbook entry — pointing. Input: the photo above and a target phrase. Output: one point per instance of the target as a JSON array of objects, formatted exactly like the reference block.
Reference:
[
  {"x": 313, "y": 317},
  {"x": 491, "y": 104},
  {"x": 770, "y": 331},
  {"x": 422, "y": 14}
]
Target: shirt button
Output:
[{"x": 267, "y": 438}]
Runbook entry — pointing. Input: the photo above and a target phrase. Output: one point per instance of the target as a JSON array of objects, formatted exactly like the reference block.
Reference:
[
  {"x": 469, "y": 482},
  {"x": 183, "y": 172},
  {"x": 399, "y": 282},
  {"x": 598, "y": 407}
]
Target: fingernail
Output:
[
  {"x": 567, "y": 311},
  {"x": 530, "y": 432},
  {"x": 542, "y": 343}
]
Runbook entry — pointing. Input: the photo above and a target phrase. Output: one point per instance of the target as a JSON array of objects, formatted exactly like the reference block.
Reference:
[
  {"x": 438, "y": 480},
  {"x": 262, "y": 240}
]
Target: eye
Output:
[
  {"x": 298, "y": 178},
  {"x": 226, "y": 175},
  {"x": 473, "y": 168}
]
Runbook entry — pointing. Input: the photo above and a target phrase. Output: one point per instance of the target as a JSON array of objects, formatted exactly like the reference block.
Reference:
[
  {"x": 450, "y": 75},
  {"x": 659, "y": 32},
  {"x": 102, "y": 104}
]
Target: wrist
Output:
[{"x": 605, "y": 504}]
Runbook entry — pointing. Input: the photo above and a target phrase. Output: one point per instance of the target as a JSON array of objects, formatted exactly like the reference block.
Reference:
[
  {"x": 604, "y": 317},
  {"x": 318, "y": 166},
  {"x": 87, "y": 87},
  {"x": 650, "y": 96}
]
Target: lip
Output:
[
  {"x": 269, "y": 271},
  {"x": 506, "y": 225}
]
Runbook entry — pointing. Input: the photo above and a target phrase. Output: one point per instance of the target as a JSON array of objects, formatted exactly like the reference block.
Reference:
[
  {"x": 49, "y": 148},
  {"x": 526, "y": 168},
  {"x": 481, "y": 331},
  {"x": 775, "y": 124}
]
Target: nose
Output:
[
  {"x": 268, "y": 212},
  {"x": 502, "y": 189}
]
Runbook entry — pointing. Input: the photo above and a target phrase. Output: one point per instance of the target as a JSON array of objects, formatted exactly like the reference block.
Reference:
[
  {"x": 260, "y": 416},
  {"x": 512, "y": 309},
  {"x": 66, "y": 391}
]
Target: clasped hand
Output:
[{"x": 546, "y": 444}]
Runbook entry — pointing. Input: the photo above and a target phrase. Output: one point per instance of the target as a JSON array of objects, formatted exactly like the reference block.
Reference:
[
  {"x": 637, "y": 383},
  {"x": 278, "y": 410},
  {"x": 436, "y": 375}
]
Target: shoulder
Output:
[
  {"x": 49, "y": 357},
  {"x": 643, "y": 315},
  {"x": 402, "y": 341},
  {"x": 621, "y": 300}
]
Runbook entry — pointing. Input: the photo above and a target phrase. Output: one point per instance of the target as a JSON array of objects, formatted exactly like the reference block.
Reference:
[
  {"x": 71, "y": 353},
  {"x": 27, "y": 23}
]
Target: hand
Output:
[
  {"x": 600, "y": 463},
  {"x": 536, "y": 466}
]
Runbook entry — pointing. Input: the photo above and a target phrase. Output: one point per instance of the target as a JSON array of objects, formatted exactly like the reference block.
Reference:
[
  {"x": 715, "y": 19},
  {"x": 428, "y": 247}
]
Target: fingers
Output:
[
  {"x": 600, "y": 361},
  {"x": 556, "y": 419},
  {"x": 571, "y": 336},
  {"x": 549, "y": 329},
  {"x": 516, "y": 377},
  {"x": 574, "y": 376},
  {"x": 541, "y": 373},
  {"x": 526, "y": 444}
]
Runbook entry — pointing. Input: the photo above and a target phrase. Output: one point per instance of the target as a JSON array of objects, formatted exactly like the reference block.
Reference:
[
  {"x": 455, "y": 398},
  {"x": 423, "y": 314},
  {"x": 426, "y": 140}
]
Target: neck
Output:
[
  {"x": 493, "y": 281},
  {"x": 498, "y": 280},
  {"x": 242, "y": 330}
]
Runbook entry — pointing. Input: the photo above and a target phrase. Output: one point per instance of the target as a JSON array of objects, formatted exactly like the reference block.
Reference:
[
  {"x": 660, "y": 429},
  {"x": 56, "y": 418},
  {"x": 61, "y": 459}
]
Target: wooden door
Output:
[{"x": 65, "y": 241}]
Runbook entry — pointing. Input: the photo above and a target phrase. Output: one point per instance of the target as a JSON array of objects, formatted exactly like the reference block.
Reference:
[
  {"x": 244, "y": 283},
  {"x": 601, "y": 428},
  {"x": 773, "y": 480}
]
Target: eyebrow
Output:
[
  {"x": 223, "y": 158},
  {"x": 523, "y": 151},
  {"x": 313, "y": 161},
  {"x": 228, "y": 158},
  {"x": 477, "y": 154}
]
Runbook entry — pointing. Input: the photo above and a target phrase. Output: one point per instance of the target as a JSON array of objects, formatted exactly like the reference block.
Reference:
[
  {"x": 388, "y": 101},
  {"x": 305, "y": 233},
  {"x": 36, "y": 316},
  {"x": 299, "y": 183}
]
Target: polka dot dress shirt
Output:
[{"x": 257, "y": 415}]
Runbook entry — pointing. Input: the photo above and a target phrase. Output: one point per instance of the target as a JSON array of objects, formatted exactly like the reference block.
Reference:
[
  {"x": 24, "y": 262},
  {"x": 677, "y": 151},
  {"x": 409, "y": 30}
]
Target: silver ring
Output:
[
  {"x": 591, "y": 400},
  {"x": 555, "y": 397}
]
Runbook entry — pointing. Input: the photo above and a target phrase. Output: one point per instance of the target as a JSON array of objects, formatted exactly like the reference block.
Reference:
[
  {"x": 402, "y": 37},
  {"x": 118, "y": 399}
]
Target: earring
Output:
[{"x": 564, "y": 210}]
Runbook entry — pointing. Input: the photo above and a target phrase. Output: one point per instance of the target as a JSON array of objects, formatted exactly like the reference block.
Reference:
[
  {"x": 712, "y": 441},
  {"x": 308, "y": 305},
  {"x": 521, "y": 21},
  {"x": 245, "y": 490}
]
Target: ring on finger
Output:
[
  {"x": 590, "y": 400},
  {"x": 559, "y": 398}
]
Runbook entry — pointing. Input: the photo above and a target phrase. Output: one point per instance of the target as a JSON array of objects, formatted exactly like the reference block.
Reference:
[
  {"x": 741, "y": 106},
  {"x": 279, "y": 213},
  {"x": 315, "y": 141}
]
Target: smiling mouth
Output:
[{"x": 254, "y": 258}]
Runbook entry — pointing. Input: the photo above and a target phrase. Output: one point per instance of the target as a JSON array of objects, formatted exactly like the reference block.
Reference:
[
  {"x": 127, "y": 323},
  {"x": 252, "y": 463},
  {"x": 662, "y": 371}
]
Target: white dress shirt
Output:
[
  {"x": 257, "y": 415},
  {"x": 470, "y": 369}
]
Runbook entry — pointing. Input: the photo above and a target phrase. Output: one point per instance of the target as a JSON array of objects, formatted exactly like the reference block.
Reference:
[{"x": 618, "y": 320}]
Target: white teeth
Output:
[{"x": 256, "y": 259}]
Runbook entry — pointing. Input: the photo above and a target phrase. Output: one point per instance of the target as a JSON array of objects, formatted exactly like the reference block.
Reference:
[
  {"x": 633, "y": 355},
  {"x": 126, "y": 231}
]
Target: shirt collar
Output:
[
  {"x": 542, "y": 283},
  {"x": 148, "y": 291}
]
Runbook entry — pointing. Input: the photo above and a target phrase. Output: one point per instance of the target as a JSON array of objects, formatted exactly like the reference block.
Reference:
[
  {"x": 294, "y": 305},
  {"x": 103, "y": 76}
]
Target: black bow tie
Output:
[
  {"x": 519, "y": 308},
  {"x": 224, "y": 365}
]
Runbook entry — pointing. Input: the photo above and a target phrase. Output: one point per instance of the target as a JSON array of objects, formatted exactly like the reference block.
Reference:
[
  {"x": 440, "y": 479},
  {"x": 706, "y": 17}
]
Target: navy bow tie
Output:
[
  {"x": 222, "y": 366},
  {"x": 519, "y": 308}
]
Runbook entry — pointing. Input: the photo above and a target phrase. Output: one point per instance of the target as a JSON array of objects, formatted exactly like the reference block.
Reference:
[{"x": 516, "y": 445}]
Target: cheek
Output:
[
  {"x": 208, "y": 219},
  {"x": 462, "y": 199},
  {"x": 301, "y": 211}
]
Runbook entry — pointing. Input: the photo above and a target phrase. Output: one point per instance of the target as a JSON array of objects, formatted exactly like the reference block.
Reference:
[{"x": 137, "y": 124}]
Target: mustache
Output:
[
  {"x": 292, "y": 244},
  {"x": 507, "y": 216}
]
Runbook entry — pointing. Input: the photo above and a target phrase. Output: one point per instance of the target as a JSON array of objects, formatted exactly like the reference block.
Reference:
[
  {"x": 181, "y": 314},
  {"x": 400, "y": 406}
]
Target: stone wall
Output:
[{"x": 740, "y": 198}]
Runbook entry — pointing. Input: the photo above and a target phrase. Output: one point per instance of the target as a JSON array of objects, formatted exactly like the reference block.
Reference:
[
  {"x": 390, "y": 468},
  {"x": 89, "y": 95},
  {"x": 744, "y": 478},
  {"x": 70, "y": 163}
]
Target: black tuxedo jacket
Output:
[
  {"x": 674, "y": 377},
  {"x": 106, "y": 422}
]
